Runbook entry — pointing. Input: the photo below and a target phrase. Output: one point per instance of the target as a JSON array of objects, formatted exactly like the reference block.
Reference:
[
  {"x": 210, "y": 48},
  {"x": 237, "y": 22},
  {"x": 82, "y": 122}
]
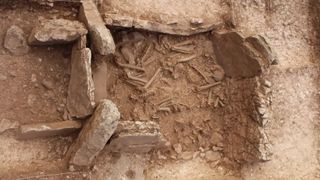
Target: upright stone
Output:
[
  {"x": 259, "y": 43},
  {"x": 94, "y": 134},
  {"x": 15, "y": 42},
  {"x": 80, "y": 100},
  {"x": 239, "y": 57},
  {"x": 56, "y": 31},
  {"x": 100, "y": 36}
]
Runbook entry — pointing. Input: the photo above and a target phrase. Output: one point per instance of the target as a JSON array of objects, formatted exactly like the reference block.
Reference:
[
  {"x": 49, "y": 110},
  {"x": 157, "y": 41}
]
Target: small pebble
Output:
[
  {"x": 187, "y": 155},
  {"x": 261, "y": 110},
  {"x": 212, "y": 156},
  {"x": 218, "y": 73},
  {"x": 71, "y": 168},
  {"x": 33, "y": 78},
  {"x": 217, "y": 148},
  {"x": 13, "y": 74},
  {"x": 47, "y": 84},
  {"x": 195, "y": 154},
  {"x": 196, "y": 21},
  {"x": 31, "y": 99},
  {"x": 3, "y": 77},
  {"x": 267, "y": 83},
  {"x": 177, "y": 148}
]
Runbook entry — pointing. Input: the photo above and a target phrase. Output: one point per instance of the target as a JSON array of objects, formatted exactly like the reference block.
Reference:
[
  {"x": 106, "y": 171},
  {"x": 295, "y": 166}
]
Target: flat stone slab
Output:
[
  {"x": 242, "y": 56},
  {"x": 15, "y": 41},
  {"x": 100, "y": 35},
  {"x": 80, "y": 100},
  {"x": 56, "y": 31},
  {"x": 95, "y": 134},
  {"x": 40, "y": 130},
  {"x": 137, "y": 137},
  {"x": 172, "y": 17}
]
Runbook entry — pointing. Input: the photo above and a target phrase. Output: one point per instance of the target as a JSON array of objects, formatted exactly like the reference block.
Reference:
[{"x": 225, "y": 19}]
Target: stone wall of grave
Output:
[
  {"x": 245, "y": 138},
  {"x": 245, "y": 60}
]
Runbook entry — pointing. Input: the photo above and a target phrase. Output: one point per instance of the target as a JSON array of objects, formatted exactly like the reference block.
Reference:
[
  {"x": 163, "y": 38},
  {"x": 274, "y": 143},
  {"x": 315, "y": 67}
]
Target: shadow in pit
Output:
[{"x": 314, "y": 13}]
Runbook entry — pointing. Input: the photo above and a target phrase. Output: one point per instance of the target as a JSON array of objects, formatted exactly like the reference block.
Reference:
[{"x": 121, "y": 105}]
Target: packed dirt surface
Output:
[{"x": 164, "y": 70}]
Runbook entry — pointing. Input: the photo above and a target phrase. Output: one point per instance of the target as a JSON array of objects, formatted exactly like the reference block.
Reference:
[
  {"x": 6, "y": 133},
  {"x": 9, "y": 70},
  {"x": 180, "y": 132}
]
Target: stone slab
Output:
[
  {"x": 95, "y": 134},
  {"x": 137, "y": 137},
  {"x": 56, "y": 31},
  {"x": 80, "y": 100},
  {"x": 172, "y": 17},
  {"x": 100, "y": 35},
  {"x": 238, "y": 57},
  {"x": 40, "y": 130}
]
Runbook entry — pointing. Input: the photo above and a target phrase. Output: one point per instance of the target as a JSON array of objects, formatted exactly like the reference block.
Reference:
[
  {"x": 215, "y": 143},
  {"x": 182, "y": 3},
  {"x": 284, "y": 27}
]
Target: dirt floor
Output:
[{"x": 166, "y": 83}]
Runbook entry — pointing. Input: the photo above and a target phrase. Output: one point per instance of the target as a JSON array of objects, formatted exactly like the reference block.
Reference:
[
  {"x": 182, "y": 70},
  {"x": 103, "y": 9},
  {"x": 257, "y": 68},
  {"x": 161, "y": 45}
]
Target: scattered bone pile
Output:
[
  {"x": 177, "y": 82},
  {"x": 173, "y": 81}
]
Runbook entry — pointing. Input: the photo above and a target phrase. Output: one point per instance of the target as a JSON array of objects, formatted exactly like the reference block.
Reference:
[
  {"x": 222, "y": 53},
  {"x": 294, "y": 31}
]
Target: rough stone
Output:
[
  {"x": 47, "y": 84},
  {"x": 187, "y": 155},
  {"x": 95, "y": 134},
  {"x": 212, "y": 156},
  {"x": 31, "y": 99},
  {"x": 102, "y": 40},
  {"x": 56, "y": 31},
  {"x": 80, "y": 100},
  {"x": 197, "y": 25},
  {"x": 267, "y": 83},
  {"x": 89, "y": 14},
  {"x": 51, "y": 2},
  {"x": 245, "y": 140},
  {"x": 238, "y": 57},
  {"x": 81, "y": 42},
  {"x": 196, "y": 21},
  {"x": 6, "y": 124},
  {"x": 260, "y": 44},
  {"x": 177, "y": 148},
  {"x": 39, "y": 130},
  {"x": 218, "y": 73},
  {"x": 263, "y": 93},
  {"x": 100, "y": 35},
  {"x": 15, "y": 42},
  {"x": 137, "y": 137}
]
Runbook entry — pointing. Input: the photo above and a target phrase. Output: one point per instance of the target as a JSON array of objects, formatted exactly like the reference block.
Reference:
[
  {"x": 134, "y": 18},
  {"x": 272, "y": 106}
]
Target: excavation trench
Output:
[{"x": 206, "y": 92}]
